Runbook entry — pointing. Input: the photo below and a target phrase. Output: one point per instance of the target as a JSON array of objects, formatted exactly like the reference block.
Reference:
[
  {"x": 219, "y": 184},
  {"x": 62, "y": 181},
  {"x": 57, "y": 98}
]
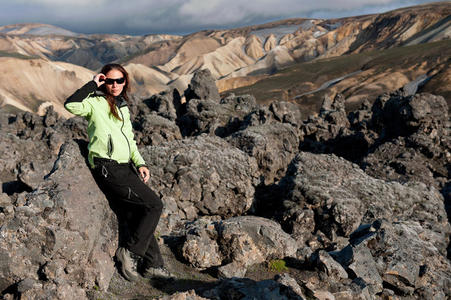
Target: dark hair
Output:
[{"x": 110, "y": 98}]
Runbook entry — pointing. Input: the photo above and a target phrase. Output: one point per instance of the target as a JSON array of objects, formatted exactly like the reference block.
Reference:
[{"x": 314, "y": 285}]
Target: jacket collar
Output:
[{"x": 120, "y": 101}]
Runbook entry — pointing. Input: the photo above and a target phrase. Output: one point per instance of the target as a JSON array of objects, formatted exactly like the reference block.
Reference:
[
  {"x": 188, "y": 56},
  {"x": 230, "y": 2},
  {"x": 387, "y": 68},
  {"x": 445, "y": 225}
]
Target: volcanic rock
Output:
[
  {"x": 273, "y": 145},
  {"x": 235, "y": 244},
  {"x": 329, "y": 131},
  {"x": 219, "y": 166},
  {"x": 276, "y": 112},
  {"x": 201, "y": 176},
  {"x": 343, "y": 196},
  {"x": 244, "y": 288},
  {"x": 216, "y": 118},
  {"x": 153, "y": 129},
  {"x": 202, "y": 87},
  {"x": 190, "y": 295},
  {"x": 399, "y": 256},
  {"x": 415, "y": 143},
  {"x": 166, "y": 104},
  {"x": 61, "y": 241}
]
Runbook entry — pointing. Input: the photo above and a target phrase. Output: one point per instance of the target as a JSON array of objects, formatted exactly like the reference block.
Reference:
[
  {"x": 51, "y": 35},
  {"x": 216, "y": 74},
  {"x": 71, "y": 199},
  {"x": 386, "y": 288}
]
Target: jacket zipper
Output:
[
  {"x": 110, "y": 146},
  {"x": 123, "y": 122}
]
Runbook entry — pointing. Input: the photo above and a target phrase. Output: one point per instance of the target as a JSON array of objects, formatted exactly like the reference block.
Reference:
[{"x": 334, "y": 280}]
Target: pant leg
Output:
[
  {"x": 141, "y": 205},
  {"x": 142, "y": 240}
]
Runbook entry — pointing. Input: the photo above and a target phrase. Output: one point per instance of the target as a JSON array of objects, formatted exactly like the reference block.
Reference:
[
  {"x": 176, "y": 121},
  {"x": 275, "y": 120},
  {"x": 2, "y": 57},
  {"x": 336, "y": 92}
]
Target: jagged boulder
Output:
[
  {"x": 202, "y": 87},
  {"x": 16, "y": 152},
  {"x": 395, "y": 160},
  {"x": 235, "y": 243},
  {"x": 244, "y": 288},
  {"x": 252, "y": 240},
  {"x": 166, "y": 104},
  {"x": 201, "y": 176},
  {"x": 343, "y": 196},
  {"x": 286, "y": 112},
  {"x": 329, "y": 266},
  {"x": 276, "y": 112},
  {"x": 329, "y": 132},
  {"x": 154, "y": 119},
  {"x": 153, "y": 129},
  {"x": 400, "y": 115},
  {"x": 273, "y": 145},
  {"x": 401, "y": 256},
  {"x": 61, "y": 239},
  {"x": 414, "y": 143},
  {"x": 201, "y": 248},
  {"x": 24, "y": 156},
  {"x": 324, "y": 289},
  {"x": 219, "y": 118},
  {"x": 190, "y": 295},
  {"x": 30, "y": 144}
]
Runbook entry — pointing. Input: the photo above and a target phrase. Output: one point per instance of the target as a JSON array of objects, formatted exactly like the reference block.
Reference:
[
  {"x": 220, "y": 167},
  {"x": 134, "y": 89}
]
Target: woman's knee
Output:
[
  {"x": 158, "y": 204},
  {"x": 153, "y": 201}
]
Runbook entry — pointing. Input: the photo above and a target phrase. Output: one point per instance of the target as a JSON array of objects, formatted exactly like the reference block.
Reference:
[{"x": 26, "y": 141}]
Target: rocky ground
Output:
[{"x": 260, "y": 201}]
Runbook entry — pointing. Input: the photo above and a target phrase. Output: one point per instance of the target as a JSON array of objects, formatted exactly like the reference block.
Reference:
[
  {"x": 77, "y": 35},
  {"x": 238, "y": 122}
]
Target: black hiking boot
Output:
[{"x": 129, "y": 263}]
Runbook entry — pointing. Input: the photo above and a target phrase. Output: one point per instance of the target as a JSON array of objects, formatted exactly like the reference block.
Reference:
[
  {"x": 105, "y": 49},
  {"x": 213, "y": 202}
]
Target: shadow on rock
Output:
[{"x": 171, "y": 286}]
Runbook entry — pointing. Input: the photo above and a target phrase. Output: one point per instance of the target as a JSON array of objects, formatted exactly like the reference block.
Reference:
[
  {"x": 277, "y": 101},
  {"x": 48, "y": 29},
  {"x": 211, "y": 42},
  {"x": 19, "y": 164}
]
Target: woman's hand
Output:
[
  {"x": 145, "y": 174},
  {"x": 99, "y": 79}
]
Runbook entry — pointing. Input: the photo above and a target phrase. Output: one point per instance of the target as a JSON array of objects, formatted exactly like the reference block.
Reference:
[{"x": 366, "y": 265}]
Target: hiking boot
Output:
[
  {"x": 157, "y": 272},
  {"x": 129, "y": 263}
]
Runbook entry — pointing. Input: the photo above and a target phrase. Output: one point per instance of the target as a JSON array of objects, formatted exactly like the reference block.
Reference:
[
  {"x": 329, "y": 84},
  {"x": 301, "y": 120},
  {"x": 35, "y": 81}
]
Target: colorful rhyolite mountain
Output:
[{"x": 293, "y": 60}]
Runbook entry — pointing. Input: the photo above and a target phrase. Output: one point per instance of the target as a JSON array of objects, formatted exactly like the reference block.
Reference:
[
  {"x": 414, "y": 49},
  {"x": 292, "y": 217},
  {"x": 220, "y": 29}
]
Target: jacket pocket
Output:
[{"x": 110, "y": 146}]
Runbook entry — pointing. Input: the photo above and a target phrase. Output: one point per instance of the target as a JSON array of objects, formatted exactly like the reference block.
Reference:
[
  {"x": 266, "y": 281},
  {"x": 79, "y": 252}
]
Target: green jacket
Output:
[{"x": 108, "y": 137}]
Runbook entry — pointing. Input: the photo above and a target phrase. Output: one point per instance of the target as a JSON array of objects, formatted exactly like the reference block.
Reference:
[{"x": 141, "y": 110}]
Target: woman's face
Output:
[{"x": 112, "y": 86}]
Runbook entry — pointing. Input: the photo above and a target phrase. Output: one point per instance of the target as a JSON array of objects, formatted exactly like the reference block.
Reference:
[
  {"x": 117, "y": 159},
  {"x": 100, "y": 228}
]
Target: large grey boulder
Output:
[
  {"x": 29, "y": 144},
  {"x": 286, "y": 112},
  {"x": 202, "y": 87},
  {"x": 329, "y": 132},
  {"x": 273, "y": 145},
  {"x": 166, "y": 104},
  {"x": 153, "y": 129},
  {"x": 201, "y": 176},
  {"x": 219, "y": 118},
  {"x": 235, "y": 244},
  {"x": 61, "y": 240},
  {"x": 401, "y": 116},
  {"x": 247, "y": 289},
  {"x": 23, "y": 160},
  {"x": 154, "y": 119},
  {"x": 416, "y": 142},
  {"x": 343, "y": 196},
  {"x": 190, "y": 295},
  {"x": 401, "y": 256},
  {"x": 401, "y": 160},
  {"x": 252, "y": 240},
  {"x": 276, "y": 112}
]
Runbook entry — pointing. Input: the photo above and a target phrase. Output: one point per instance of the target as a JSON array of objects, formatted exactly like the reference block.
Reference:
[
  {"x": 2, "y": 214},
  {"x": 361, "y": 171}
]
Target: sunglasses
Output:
[{"x": 117, "y": 80}]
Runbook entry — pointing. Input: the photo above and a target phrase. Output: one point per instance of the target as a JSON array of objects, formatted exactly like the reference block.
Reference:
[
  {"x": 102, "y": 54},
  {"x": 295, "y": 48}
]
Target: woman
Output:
[{"x": 114, "y": 158}]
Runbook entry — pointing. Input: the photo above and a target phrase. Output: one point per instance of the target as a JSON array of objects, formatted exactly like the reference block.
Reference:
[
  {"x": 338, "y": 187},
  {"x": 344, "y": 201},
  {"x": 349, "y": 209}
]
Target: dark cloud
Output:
[{"x": 179, "y": 16}]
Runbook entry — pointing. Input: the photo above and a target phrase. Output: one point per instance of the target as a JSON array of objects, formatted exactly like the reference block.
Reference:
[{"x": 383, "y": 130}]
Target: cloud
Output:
[{"x": 179, "y": 16}]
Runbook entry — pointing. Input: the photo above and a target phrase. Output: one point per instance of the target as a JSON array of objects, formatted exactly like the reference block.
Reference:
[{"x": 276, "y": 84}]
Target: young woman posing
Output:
[{"x": 114, "y": 158}]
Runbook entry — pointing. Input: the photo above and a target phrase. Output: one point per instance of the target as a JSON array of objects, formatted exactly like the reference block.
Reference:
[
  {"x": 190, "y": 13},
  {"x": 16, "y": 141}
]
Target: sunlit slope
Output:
[
  {"x": 33, "y": 84},
  {"x": 381, "y": 71}
]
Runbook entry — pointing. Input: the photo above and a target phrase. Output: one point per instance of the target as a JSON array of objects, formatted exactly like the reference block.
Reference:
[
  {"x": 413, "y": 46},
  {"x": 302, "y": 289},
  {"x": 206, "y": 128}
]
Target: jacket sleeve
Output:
[
  {"x": 135, "y": 155},
  {"x": 76, "y": 104}
]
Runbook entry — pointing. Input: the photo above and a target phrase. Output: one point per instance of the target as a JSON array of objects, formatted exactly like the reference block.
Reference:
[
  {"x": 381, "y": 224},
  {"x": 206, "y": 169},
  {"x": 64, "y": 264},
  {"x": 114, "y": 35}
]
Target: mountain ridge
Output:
[{"x": 236, "y": 57}]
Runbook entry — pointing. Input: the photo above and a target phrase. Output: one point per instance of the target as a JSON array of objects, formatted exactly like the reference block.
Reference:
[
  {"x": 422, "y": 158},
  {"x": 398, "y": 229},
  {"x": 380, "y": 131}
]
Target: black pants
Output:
[{"x": 135, "y": 204}]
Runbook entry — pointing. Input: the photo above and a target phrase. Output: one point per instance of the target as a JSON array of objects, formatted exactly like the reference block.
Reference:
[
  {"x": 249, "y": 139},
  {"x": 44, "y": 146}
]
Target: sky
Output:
[{"x": 138, "y": 17}]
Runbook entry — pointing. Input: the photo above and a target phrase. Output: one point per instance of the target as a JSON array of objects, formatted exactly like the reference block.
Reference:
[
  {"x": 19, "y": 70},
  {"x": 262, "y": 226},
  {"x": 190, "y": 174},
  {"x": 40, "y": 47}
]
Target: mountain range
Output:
[{"x": 297, "y": 60}]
